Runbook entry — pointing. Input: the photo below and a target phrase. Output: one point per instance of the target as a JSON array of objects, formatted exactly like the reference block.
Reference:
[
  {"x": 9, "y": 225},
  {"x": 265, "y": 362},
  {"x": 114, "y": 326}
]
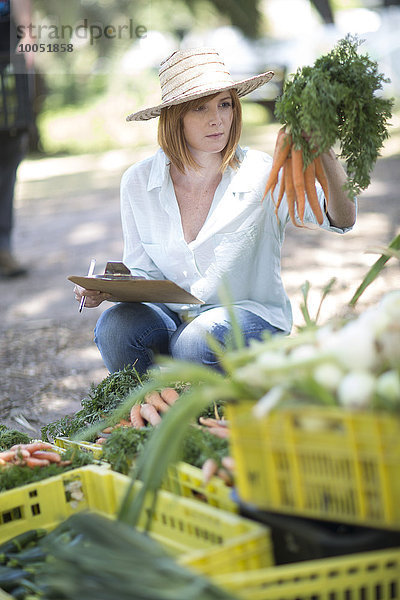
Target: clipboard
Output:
[{"x": 123, "y": 287}]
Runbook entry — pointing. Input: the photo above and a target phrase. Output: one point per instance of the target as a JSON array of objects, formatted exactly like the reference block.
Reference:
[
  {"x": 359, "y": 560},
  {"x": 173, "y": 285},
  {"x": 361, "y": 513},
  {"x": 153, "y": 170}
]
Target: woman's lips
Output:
[{"x": 215, "y": 135}]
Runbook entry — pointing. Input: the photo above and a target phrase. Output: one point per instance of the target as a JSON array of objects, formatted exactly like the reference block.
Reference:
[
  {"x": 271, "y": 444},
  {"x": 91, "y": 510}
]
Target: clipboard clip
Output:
[{"x": 116, "y": 268}]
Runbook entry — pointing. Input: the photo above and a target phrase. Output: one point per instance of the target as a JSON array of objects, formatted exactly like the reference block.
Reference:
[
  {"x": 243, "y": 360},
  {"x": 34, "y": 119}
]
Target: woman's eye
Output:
[{"x": 226, "y": 104}]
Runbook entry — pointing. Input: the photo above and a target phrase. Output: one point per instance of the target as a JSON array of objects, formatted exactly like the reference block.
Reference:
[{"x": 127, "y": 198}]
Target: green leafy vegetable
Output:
[
  {"x": 113, "y": 560},
  {"x": 336, "y": 100},
  {"x": 123, "y": 445},
  {"x": 10, "y": 437},
  {"x": 200, "y": 444},
  {"x": 126, "y": 443}
]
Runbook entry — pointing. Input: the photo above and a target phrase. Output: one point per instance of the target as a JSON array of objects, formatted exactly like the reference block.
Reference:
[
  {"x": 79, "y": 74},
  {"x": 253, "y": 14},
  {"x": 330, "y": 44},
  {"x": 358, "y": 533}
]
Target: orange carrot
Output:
[
  {"x": 220, "y": 432},
  {"x": 108, "y": 429},
  {"x": 136, "y": 418},
  {"x": 281, "y": 189},
  {"x": 36, "y": 462},
  {"x": 229, "y": 463},
  {"x": 298, "y": 181},
  {"x": 32, "y": 446},
  {"x": 169, "y": 395},
  {"x": 7, "y": 455},
  {"x": 281, "y": 132},
  {"x": 209, "y": 469},
  {"x": 282, "y": 149},
  {"x": 21, "y": 454},
  {"x": 155, "y": 400},
  {"x": 111, "y": 428},
  {"x": 149, "y": 414},
  {"x": 209, "y": 422},
  {"x": 321, "y": 177},
  {"x": 50, "y": 456},
  {"x": 312, "y": 197},
  {"x": 290, "y": 193}
]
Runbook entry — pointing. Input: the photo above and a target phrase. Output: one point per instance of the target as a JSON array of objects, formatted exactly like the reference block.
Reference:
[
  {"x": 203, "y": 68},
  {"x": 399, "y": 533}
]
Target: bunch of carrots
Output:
[
  {"x": 148, "y": 412},
  {"x": 157, "y": 403},
  {"x": 297, "y": 182},
  {"x": 35, "y": 454}
]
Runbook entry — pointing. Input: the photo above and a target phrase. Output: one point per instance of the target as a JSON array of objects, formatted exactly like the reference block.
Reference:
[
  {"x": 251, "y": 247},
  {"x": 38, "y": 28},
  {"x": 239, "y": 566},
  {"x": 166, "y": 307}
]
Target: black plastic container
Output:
[{"x": 296, "y": 539}]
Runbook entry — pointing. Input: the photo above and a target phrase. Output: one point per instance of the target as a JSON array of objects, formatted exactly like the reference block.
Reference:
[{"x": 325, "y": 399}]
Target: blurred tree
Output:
[
  {"x": 247, "y": 14},
  {"x": 80, "y": 77},
  {"x": 244, "y": 14},
  {"x": 325, "y": 10}
]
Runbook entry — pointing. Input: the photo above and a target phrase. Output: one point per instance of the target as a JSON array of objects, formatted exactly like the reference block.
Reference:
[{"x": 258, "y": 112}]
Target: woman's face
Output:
[{"x": 206, "y": 128}]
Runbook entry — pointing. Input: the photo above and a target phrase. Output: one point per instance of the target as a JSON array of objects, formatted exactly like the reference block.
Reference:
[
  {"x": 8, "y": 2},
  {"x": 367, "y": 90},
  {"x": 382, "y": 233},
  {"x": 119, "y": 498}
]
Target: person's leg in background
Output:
[
  {"x": 189, "y": 341},
  {"x": 133, "y": 333},
  {"x": 12, "y": 150}
]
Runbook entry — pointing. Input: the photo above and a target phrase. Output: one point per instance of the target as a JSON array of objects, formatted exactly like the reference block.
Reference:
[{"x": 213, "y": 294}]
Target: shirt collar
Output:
[
  {"x": 160, "y": 170},
  {"x": 240, "y": 180}
]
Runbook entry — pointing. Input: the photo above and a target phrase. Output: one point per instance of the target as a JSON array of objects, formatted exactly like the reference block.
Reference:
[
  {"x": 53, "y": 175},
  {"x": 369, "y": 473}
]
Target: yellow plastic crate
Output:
[
  {"x": 182, "y": 479},
  {"x": 95, "y": 449},
  {"x": 321, "y": 463},
  {"x": 366, "y": 576},
  {"x": 199, "y": 535},
  {"x": 187, "y": 481}
]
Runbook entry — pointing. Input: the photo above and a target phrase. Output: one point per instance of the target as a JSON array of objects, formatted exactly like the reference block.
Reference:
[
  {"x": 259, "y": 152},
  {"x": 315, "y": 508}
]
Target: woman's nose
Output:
[{"x": 215, "y": 118}]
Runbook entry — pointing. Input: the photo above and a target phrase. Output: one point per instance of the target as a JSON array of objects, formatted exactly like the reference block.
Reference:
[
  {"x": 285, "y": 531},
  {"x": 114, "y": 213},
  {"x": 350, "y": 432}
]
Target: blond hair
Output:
[{"x": 172, "y": 140}]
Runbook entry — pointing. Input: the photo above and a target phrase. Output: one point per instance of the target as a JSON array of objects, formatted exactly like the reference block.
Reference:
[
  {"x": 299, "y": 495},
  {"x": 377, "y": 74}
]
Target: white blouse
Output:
[{"x": 239, "y": 243}]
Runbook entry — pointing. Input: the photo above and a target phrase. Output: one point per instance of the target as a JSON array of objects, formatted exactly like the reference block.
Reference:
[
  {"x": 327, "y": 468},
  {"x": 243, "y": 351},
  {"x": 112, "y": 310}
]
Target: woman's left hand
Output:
[{"x": 341, "y": 208}]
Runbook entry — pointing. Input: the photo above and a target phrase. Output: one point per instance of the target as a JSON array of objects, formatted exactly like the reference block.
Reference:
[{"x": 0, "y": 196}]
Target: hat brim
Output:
[{"x": 244, "y": 87}]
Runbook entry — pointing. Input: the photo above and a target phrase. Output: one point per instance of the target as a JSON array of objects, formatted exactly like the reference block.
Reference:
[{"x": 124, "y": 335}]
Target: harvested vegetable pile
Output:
[
  {"x": 333, "y": 101},
  {"x": 71, "y": 562},
  {"x": 199, "y": 445},
  {"x": 34, "y": 454},
  {"x": 37, "y": 461}
]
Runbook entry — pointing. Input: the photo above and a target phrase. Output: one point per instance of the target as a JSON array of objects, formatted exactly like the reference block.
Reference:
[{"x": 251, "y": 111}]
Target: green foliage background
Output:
[{"x": 82, "y": 110}]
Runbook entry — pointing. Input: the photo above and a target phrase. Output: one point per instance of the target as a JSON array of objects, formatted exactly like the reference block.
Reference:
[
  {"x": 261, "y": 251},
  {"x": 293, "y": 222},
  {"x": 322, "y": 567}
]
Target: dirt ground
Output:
[{"x": 67, "y": 211}]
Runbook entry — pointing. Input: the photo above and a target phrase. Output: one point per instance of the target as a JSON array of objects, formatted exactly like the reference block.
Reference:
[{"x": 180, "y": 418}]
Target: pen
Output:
[{"x": 90, "y": 273}]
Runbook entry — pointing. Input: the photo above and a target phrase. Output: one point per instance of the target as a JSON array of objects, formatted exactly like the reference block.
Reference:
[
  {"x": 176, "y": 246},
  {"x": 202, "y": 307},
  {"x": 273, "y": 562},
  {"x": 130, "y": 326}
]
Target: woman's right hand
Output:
[{"x": 93, "y": 297}]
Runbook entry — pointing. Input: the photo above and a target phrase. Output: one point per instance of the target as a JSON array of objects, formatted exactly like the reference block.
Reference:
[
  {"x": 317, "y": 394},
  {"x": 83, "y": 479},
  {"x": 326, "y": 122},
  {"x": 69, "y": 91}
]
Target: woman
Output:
[{"x": 192, "y": 213}]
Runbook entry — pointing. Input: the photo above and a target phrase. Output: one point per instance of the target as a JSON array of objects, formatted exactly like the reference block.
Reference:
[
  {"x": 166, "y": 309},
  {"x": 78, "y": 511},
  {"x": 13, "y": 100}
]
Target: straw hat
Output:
[{"x": 194, "y": 73}]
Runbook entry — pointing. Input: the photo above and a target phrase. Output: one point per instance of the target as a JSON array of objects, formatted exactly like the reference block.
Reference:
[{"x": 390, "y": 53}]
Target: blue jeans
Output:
[{"x": 133, "y": 333}]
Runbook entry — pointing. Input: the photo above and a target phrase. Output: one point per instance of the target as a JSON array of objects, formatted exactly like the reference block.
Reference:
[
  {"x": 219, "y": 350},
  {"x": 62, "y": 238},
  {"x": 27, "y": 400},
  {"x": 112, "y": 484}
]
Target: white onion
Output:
[
  {"x": 356, "y": 389},
  {"x": 388, "y": 386}
]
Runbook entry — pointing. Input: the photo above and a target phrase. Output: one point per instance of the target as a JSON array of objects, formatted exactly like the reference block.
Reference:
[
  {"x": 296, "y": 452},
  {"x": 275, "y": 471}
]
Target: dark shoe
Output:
[{"x": 9, "y": 267}]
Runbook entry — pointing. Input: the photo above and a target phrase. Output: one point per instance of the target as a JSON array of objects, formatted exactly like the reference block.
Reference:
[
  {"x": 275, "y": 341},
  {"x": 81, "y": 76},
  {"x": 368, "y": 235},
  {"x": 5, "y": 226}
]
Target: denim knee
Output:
[
  {"x": 189, "y": 342},
  {"x": 132, "y": 333}
]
